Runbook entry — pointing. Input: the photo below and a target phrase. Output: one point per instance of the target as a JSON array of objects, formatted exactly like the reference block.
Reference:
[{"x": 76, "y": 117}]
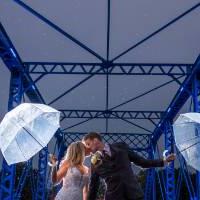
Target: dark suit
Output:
[{"x": 121, "y": 182}]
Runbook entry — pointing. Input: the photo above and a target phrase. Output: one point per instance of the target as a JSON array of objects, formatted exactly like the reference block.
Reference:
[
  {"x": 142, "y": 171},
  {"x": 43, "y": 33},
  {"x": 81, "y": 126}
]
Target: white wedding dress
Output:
[{"x": 73, "y": 184}]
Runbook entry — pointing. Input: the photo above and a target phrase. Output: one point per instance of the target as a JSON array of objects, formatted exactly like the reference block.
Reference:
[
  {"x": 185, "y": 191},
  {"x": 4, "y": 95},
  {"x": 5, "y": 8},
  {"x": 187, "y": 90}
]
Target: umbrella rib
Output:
[
  {"x": 190, "y": 146},
  {"x": 188, "y": 140},
  {"x": 20, "y": 148}
]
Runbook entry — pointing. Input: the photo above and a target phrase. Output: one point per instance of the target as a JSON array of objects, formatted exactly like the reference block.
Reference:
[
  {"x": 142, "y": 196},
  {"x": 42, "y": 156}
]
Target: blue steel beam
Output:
[
  {"x": 143, "y": 94},
  {"x": 169, "y": 169},
  {"x": 119, "y": 105},
  {"x": 11, "y": 59},
  {"x": 108, "y": 30},
  {"x": 136, "y": 141},
  {"x": 196, "y": 108},
  {"x": 111, "y": 114},
  {"x": 150, "y": 188},
  {"x": 7, "y": 184},
  {"x": 108, "y": 68},
  {"x": 19, "y": 79},
  {"x": 58, "y": 29},
  {"x": 42, "y": 175},
  {"x": 158, "y": 31},
  {"x": 107, "y": 99},
  {"x": 178, "y": 101},
  {"x": 25, "y": 172}
]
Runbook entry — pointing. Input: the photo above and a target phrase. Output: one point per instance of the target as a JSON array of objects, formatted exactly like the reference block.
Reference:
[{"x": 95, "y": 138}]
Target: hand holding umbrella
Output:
[
  {"x": 187, "y": 138},
  {"x": 27, "y": 129},
  {"x": 168, "y": 158}
]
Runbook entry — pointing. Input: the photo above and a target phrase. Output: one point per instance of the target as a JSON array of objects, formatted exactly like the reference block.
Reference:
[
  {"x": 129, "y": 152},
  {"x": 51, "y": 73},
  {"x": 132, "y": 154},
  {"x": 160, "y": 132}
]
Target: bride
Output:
[{"x": 73, "y": 174}]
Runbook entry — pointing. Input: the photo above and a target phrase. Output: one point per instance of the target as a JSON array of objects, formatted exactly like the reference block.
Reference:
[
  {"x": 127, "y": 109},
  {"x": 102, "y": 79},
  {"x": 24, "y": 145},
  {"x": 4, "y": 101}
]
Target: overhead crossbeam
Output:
[
  {"x": 108, "y": 68},
  {"x": 136, "y": 141},
  {"x": 102, "y": 114},
  {"x": 58, "y": 29}
]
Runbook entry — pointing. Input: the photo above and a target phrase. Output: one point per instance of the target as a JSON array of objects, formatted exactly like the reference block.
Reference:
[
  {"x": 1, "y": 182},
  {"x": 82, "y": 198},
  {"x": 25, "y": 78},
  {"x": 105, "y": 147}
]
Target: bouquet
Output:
[{"x": 96, "y": 158}]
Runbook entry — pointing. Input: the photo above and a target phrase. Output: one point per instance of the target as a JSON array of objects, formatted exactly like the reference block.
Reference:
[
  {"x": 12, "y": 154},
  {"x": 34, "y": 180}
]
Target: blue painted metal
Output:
[
  {"x": 123, "y": 115},
  {"x": 107, "y": 59},
  {"x": 178, "y": 101},
  {"x": 108, "y": 68},
  {"x": 22, "y": 180},
  {"x": 8, "y": 172},
  {"x": 160, "y": 176},
  {"x": 138, "y": 142},
  {"x": 19, "y": 80},
  {"x": 150, "y": 187},
  {"x": 108, "y": 30},
  {"x": 10, "y": 58},
  {"x": 111, "y": 114},
  {"x": 58, "y": 29},
  {"x": 145, "y": 93},
  {"x": 42, "y": 175},
  {"x": 196, "y": 108},
  {"x": 169, "y": 170},
  {"x": 121, "y": 104},
  {"x": 71, "y": 89}
]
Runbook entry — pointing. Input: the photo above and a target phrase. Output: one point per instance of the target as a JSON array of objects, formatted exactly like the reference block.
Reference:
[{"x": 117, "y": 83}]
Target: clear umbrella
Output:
[
  {"x": 187, "y": 138},
  {"x": 27, "y": 129}
]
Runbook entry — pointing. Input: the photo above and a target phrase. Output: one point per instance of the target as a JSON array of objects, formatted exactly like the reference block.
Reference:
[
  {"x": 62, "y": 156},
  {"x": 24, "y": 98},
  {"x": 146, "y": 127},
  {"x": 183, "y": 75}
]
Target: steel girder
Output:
[
  {"x": 196, "y": 108},
  {"x": 184, "y": 92},
  {"x": 169, "y": 170},
  {"x": 8, "y": 172},
  {"x": 137, "y": 142},
  {"x": 20, "y": 82},
  {"x": 182, "y": 95},
  {"x": 111, "y": 114},
  {"x": 15, "y": 96},
  {"x": 106, "y": 64},
  {"x": 113, "y": 68},
  {"x": 150, "y": 187}
]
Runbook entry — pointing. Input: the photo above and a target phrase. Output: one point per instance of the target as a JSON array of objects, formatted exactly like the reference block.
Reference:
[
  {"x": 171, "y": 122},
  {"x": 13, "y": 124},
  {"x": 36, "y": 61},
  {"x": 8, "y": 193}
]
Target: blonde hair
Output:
[{"x": 75, "y": 153}]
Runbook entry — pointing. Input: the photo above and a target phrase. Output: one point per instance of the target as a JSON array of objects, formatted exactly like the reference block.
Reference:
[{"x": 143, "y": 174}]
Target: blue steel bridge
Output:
[{"x": 114, "y": 75}]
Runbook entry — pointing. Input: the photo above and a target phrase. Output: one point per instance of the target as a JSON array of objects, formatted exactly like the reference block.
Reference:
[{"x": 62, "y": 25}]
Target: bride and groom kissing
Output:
[{"x": 112, "y": 162}]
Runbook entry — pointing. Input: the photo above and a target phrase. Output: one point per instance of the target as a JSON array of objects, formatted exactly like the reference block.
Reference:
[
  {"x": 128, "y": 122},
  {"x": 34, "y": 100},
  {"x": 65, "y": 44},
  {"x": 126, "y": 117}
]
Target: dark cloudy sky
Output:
[{"x": 131, "y": 21}]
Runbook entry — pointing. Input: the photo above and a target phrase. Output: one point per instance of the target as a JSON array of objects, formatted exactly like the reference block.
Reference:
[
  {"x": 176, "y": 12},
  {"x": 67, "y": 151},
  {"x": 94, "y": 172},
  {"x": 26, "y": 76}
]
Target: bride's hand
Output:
[{"x": 52, "y": 159}]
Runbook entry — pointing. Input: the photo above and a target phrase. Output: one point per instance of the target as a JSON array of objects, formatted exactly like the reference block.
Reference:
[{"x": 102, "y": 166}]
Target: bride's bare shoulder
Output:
[{"x": 64, "y": 164}]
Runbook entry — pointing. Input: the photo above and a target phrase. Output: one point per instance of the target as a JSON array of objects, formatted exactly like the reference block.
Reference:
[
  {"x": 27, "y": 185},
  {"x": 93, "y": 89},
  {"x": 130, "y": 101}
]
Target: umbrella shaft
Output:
[{"x": 33, "y": 137}]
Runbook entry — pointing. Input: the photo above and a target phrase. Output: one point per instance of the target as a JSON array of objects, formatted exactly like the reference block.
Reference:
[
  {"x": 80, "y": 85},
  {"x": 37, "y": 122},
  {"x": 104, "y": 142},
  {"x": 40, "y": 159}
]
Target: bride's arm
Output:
[
  {"x": 85, "y": 192},
  {"x": 86, "y": 187},
  {"x": 57, "y": 176}
]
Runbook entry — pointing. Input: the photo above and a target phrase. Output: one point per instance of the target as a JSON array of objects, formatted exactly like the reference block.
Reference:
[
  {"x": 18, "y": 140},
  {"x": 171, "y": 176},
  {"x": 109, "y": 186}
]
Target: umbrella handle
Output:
[{"x": 165, "y": 154}]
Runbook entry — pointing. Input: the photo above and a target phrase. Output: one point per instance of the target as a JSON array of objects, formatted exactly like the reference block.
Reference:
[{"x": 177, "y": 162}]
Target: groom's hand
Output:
[
  {"x": 171, "y": 157},
  {"x": 52, "y": 159}
]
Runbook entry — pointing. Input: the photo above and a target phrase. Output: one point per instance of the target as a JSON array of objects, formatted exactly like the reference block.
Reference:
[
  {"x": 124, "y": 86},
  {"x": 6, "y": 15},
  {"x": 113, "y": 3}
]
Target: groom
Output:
[{"x": 115, "y": 168}]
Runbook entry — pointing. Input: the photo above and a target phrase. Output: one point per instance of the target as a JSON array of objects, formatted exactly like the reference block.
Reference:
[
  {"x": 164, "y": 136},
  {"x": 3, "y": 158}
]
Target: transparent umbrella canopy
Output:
[
  {"x": 26, "y": 129},
  {"x": 187, "y": 138}
]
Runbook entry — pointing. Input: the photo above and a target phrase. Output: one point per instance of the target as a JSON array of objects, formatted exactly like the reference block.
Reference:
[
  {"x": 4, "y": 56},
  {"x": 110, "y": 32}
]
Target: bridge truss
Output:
[{"x": 22, "y": 83}]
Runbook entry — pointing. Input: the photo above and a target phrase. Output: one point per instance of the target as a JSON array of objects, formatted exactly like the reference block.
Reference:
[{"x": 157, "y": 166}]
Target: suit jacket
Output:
[{"x": 117, "y": 172}]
